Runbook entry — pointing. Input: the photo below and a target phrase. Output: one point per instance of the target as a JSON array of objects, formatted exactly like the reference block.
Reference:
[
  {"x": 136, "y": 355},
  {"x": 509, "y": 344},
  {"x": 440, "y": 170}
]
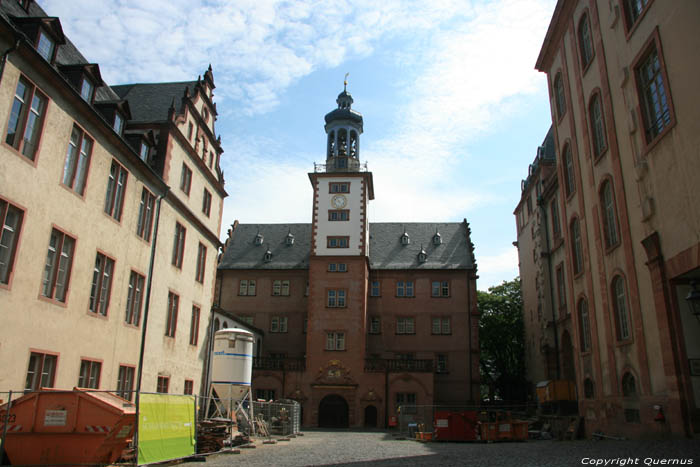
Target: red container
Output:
[
  {"x": 455, "y": 426},
  {"x": 68, "y": 427}
]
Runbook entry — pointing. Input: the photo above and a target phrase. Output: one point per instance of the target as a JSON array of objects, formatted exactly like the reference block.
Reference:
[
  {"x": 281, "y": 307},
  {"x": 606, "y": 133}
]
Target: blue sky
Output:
[{"x": 452, "y": 105}]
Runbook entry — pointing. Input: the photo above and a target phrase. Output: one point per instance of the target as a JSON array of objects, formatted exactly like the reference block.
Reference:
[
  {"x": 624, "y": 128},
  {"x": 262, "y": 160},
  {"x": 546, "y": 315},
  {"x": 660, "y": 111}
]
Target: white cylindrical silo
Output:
[{"x": 232, "y": 364}]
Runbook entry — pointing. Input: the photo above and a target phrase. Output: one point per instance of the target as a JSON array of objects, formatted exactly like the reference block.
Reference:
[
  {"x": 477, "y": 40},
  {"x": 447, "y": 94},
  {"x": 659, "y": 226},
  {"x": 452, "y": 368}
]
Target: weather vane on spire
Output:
[{"x": 345, "y": 82}]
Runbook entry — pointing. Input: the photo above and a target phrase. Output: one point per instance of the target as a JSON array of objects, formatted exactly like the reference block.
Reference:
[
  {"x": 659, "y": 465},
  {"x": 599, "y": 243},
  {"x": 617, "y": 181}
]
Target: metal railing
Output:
[
  {"x": 341, "y": 164},
  {"x": 380, "y": 365},
  {"x": 287, "y": 364}
]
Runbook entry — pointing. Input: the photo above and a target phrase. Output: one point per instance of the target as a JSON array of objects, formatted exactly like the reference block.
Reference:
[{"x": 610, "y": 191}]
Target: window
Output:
[
  {"x": 561, "y": 287},
  {"x": 189, "y": 387},
  {"x": 26, "y": 118},
  {"x": 189, "y": 131},
  {"x": 404, "y": 288},
  {"x": 280, "y": 287},
  {"x": 116, "y": 186},
  {"x": 653, "y": 91},
  {"x": 11, "y": 221},
  {"x": 118, "y": 124},
  {"x": 41, "y": 371},
  {"x": 143, "y": 151},
  {"x": 569, "y": 182},
  {"x": 406, "y": 398},
  {"x": 89, "y": 374},
  {"x": 134, "y": 298},
  {"x": 405, "y": 326},
  {"x": 179, "y": 245},
  {"x": 440, "y": 289},
  {"x": 620, "y": 308},
  {"x": 588, "y": 388},
  {"x": 405, "y": 239},
  {"x": 595, "y": 111},
  {"x": 633, "y": 10},
  {"x": 185, "y": 179},
  {"x": 339, "y": 187},
  {"x": 87, "y": 89},
  {"x": 259, "y": 238},
  {"x": 629, "y": 386},
  {"x": 338, "y": 214},
  {"x": 335, "y": 341},
  {"x": 246, "y": 287},
  {"x": 335, "y": 298},
  {"x": 584, "y": 41},
  {"x": 125, "y": 382},
  {"x": 101, "y": 284},
  {"x": 77, "y": 161},
  {"x": 584, "y": 325},
  {"x": 304, "y": 326},
  {"x": 201, "y": 263},
  {"x": 265, "y": 394},
  {"x": 559, "y": 98},
  {"x": 194, "y": 325},
  {"x": 337, "y": 267},
  {"x": 57, "y": 269},
  {"x": 45, "y": 45},
  {"x": 607, "y": 201},
  {"x": 163, "y": 383},
  {"x": 146, "y": 209},
  {"x": 556, "y": 227},
  {"x": 441, "y": 363},
  {"x": 437, "y": 239},
  {"x": 171, "y": 318},
  {"x": 376, "y": 289},
  {"x": 338, "y": 242},
  {"x": 529, "y": 205},
  {"x": 278, "y": 324},
  {"x": 206, "y": 202},
  {"x": 375, "y": 325},
  {"x": 576, "y": 247},
  {"x": 289, "y": 239},
  {"x": 441, "y": 326}
]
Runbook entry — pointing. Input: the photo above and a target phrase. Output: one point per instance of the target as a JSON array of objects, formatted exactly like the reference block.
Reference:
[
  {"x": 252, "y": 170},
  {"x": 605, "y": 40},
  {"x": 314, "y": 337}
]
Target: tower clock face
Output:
[{"x": 339, "y": 201}]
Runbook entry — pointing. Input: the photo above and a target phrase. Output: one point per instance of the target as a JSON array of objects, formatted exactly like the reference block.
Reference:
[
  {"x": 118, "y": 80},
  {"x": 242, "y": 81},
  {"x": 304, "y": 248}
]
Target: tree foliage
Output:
[{"x": 501, "y": 335}]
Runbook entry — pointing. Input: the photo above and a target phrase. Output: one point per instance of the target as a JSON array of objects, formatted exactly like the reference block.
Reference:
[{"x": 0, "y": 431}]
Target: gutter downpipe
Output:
[
  {"x": 540, "y": 202},
  {"x": 5, "y": 54},
  {"x": 145, "y": 322}
]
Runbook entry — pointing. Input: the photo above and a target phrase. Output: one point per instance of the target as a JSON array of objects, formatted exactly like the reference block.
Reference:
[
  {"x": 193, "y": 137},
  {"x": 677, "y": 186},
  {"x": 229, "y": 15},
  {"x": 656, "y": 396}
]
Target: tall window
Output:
[
  {"x": 77, "y": 161},
  {"x": 440, "y": 289},
  {"x": 405, "y": 326},
  {"x": 556, "y": 226},
  {"x": 375, "y": 289},
  {"x": 163, "y": 384},
  {"x": 125, "y": 382},
  {"x": 116, "y": 187},
  {"x": 280, "y": 287},
  {"x": 45, "y": 45},
  {"x": 585, "y": 325},
  {"x": 278, "y": 324},
  {"x": 607, "y": 202},
  {"x": 633, "y": 10},
  {"x": 441, "y": 363},
  {"x": 26, "y": 118},
  {"x": 569, "y": 182},
  {"x": 189, "y": 387},
  {"x": 335, "y": 298},
  {"x": 584, "y": 41},
  {"x": 620, "y": 308},
  {"x": 201, "y": 263},
  {"x": 375, "y": 325},
  {"x": 41, "y": 372},
  {"x": 101, "y": 284},
  {"x": 185, "y": 179},
  {"x": 146, "y": 209},
  {"x": 179, "y": 245},
  {"x": 441, "y": 326},
  {"x": 57, "y": 269},
  {"x": 144, "y": 150},
  {"x": 134, "y": 298},
  {"x": 206, "y": 202},
  {"x": 118, "y": 124},
  {"x": 11, "y": 222},
  {"x": 171, "y": 318},
  {"x": 559, "y": 98},
  {"x": 576, "y": 246},
  {"x": 194, "y": 325},
  {"x": 246, "y": 287},
  {"x": 87, "y": 89},
  {"x": 335, "y": 341},
  {"x": 595, "y": 111},
  {"x": 404, "y": 288},
  {"x": 89, "y": 374},
  {"x": 561, "y": 287},
  {"x": 653, "y": 93}
]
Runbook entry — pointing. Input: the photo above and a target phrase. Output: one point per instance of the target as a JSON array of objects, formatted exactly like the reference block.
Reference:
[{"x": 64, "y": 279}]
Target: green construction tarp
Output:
[{"x": 166, "y": 427}]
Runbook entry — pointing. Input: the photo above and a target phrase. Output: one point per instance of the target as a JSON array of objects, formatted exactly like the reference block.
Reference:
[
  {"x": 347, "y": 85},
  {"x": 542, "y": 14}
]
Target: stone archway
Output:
[
  {"x": 370, "y": 416},
  {"x": 568, "y": 370},
  {"x": 333, "y": 412}
]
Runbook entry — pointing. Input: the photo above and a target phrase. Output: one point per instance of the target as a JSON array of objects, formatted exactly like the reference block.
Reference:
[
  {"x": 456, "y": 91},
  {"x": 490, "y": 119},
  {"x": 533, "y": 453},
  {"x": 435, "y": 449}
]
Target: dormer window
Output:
[
  {"x": 87, "y": 89},
  {"x": 422, "y": 256},
  {"x": 290, "y": 239},
  {"x": 143, "y": 152},
  {"x": 259, "y": 239},
  {"x": 268, "y": 256},
  {"x": 118, "y": 123},
  {"x": 437, "y": 239},
  {"x": 45, "y": 46},
  {"x": 405, "y": 240}
]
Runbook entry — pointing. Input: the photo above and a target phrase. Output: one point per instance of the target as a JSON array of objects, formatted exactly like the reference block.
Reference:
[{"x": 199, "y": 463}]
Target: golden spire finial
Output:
[{"x": 345, "y": 82}]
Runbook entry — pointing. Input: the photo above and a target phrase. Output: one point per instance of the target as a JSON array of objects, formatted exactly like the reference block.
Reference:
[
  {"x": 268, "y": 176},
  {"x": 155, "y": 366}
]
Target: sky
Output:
[{"x": 453, "y": 108}]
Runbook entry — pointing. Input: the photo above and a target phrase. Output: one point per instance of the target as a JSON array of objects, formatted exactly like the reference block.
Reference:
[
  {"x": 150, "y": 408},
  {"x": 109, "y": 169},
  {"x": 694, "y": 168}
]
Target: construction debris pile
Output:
[{"x": 215, "y": 434}]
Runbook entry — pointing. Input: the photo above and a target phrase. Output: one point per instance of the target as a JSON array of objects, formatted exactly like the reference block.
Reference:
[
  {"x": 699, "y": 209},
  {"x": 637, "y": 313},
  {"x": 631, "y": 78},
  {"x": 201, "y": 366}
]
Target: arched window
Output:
[
  {"x": 331, "y": 144},
  {"x": 342, "y": 142},
  {"x": 629, "y": 386},
  {"x": 588, "y": 388},
  {"x": 619, "y": 296},
  {"x": 217, "y": 325},
  {"x": 569, "y": 181},
  {"x": 353, "y": 144},
  {"x": 225, "y": 325},
  {"x": 559, "y": 98},
  {"x": 576, "y": 246},
  {"x": 595, "y": 112},
  {"x": 607, "y": 203},
  {"x": 584, "y": 325},
  {"x": 584, "y": 41}
]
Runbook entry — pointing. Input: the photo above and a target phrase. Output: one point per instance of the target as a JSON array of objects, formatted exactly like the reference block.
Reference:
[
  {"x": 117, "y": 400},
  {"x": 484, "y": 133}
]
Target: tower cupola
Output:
[{"x": 343, "y": 128}]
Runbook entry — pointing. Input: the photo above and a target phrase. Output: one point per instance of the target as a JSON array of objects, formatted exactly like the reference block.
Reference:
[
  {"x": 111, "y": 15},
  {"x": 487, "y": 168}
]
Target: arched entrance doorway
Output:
[
  {"x": 333, "y": 412},
  {"x": 371, "y": 416}
]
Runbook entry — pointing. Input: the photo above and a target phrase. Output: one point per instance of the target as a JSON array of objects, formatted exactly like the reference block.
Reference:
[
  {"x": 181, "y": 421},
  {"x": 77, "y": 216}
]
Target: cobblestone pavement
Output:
[{"x": 377, "y": 448}]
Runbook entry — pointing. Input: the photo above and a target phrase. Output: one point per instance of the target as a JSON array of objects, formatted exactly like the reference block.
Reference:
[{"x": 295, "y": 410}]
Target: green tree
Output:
[{"x": 501, "y": 335}]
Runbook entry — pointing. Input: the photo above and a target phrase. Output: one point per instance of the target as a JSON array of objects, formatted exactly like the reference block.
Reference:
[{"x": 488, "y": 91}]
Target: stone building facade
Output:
[
  {"x": 360, "y": 317},
  {"x": 110, "y": 208}
]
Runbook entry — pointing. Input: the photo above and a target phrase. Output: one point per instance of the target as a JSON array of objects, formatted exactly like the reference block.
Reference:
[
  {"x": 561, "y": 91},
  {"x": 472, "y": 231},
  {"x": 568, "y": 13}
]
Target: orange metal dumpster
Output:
[{"x": 68, "y": 427}]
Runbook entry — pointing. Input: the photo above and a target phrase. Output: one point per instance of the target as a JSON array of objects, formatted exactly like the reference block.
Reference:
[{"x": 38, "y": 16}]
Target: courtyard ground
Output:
[{"x": 379, "y": 448}]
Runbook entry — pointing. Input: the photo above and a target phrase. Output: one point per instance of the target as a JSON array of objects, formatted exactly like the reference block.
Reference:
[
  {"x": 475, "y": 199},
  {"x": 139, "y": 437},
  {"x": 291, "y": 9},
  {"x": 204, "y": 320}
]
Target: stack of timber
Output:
[{"x": 214, "y": 434}]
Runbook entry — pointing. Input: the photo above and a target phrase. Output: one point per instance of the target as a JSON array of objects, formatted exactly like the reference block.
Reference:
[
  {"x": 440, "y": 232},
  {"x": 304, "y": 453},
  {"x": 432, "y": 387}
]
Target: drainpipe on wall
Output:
[
  {"x": 144, "y": 323},
  {"x": 5, "y": 54},
  {"x": 540, "y": 203}
]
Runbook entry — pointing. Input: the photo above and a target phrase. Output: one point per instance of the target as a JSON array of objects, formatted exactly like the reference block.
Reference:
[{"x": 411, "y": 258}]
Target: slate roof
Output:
[
  {"x": 150, "y": 102},
  {"x": 385, "y": 248}
]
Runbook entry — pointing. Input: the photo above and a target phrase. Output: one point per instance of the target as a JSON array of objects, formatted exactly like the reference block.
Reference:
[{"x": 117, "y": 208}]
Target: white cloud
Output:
[{"x": 494, "y": 269}]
